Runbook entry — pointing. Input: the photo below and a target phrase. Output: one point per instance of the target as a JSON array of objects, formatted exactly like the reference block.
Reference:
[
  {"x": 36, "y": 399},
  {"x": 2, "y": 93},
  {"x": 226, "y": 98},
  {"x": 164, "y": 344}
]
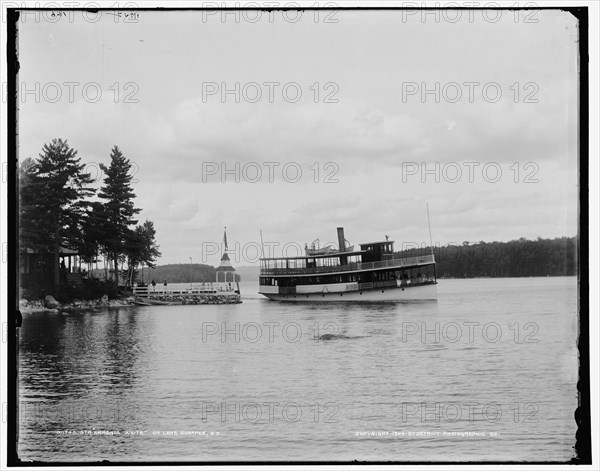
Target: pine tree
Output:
[
  {"x": 142, "y": 248},
  {"x": 92, "y": 232},
  {"x": 32, "y": 224},
  {"x": 53, "y": 192},
  {"x": 119, "y": 210},
  {"x": 151, "y": 252}
]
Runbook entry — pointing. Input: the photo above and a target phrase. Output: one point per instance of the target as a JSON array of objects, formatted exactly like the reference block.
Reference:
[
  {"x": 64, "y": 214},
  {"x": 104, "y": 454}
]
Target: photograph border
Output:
[{"x": 582, "y": 415}]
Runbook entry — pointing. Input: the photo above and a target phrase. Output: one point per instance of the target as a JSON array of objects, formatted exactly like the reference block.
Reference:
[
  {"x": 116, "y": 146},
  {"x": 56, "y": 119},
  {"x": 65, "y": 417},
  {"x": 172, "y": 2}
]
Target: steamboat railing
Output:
[{"x": 391, "y": 263}]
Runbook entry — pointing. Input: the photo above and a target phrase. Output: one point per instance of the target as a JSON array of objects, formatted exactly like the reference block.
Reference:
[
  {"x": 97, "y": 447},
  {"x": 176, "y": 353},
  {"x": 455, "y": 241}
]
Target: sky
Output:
[{"x": 297, "y": 124}]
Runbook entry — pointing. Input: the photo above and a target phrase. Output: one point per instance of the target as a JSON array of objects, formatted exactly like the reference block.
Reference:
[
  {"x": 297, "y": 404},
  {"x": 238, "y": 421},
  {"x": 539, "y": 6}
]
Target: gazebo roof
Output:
[{"x": 225, "y": 264}]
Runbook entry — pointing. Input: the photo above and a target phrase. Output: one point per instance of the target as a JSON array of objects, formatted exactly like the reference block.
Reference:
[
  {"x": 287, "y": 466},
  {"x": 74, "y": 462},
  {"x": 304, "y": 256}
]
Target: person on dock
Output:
[{"x": 153, "y": 285}]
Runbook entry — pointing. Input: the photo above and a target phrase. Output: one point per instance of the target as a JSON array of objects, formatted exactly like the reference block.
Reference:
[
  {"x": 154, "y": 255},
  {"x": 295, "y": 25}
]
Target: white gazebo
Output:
[{"x": 225, "y": 273}]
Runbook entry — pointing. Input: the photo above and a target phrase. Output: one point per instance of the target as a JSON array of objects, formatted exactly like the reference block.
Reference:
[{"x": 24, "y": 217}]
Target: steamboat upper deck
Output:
[{"x": 309, "y": 265}]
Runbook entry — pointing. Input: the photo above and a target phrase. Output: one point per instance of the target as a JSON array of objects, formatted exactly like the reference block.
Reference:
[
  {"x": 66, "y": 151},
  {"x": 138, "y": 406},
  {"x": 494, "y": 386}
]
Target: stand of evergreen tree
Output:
[
  {"x": 54, "y": 189},
  {"x": 57, "y": 212},
  {"x": 516, "y": 258},
  {"x": 118, "y": 210}
]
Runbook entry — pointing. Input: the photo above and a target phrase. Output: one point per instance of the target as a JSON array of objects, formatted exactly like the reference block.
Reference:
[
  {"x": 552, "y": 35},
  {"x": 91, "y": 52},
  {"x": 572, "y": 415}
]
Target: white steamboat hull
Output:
[{"x": 426, "y": 292}]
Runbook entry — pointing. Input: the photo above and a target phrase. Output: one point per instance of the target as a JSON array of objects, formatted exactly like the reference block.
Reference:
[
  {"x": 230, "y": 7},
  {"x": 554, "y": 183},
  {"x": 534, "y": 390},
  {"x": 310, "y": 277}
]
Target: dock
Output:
[{"x": 207, "y": 293}]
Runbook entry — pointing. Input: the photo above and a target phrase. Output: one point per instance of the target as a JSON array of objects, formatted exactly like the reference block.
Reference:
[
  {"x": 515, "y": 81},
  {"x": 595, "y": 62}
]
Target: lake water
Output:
[{"x": 488, "y": 372}]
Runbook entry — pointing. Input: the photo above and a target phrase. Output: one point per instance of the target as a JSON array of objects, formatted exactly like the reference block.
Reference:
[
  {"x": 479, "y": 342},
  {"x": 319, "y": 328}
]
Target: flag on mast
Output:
[{"x": 225, "y": 239}]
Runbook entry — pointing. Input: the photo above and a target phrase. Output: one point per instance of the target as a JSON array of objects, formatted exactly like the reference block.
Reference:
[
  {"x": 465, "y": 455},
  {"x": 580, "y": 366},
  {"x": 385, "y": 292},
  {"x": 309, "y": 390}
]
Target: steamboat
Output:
[{"x": 371, "y": 273}]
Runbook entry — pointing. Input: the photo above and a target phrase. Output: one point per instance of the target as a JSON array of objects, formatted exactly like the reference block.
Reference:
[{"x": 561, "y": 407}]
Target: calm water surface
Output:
[{"x": 488, "y": 372}]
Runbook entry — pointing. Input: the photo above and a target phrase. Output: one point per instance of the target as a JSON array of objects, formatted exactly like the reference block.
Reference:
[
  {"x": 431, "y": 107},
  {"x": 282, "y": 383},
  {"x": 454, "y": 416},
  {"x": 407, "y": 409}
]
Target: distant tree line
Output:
[
  {"x": 57, "y": 211},
  {"x": 522, "y": 257},
  {"x": 180, "y": 273},
  {"x": 175, "y": 273}
]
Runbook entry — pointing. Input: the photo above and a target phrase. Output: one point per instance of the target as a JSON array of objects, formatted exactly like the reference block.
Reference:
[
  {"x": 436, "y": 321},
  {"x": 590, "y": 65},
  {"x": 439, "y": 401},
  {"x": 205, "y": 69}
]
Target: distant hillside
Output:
[
  {"x": 179, "y": 273},
  {"x": 173, "y": 273},
  {"x": 248, "y": 273},
  {"x": 523, "y": 257}
]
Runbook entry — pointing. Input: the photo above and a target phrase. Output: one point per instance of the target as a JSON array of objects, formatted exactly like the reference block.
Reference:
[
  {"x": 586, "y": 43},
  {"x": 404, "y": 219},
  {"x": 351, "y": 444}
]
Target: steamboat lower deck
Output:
[{"x": 422, "y": 292}]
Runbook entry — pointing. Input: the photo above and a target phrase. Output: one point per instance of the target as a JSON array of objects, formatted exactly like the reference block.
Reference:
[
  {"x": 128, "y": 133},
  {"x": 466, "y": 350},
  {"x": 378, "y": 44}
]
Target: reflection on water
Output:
[{"x": 487, "y": 373}]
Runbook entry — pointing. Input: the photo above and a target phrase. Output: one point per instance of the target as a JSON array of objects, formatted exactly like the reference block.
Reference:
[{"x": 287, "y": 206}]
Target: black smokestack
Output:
[
  {"x": 341, "y": 239},
  {"x": 342, "y": 244}
]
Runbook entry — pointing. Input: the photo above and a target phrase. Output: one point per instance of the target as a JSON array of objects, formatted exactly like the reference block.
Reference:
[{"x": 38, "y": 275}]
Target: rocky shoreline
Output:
[
  {"x": 49, "y": 304},
  {"x": 199, "y": 299}
]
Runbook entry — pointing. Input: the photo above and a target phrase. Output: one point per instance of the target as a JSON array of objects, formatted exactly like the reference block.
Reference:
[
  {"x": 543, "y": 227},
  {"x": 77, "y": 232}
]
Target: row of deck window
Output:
[
  {"x": 294, "y": 264},
  {"x": 407, "y": 276}
]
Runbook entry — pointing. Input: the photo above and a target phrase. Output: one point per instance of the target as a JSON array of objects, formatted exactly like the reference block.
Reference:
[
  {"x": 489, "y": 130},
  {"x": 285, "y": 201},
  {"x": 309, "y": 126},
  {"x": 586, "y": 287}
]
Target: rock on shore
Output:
[
  {"x": 200, "y": 298},
  {"x": 51, "y": 304}
]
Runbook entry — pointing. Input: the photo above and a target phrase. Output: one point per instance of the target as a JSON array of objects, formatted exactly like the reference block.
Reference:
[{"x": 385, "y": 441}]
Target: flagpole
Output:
[
  {"x": 262, "y": 245},
  {"x": 429, "y": 224}
]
